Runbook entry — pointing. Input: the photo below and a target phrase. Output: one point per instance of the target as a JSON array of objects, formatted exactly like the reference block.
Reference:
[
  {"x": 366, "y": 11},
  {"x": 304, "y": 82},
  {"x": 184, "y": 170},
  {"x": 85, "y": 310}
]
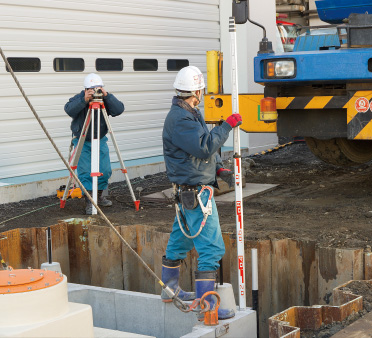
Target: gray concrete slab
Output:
[
  {"x": 177, "y": 323},
  {"x": 100, "y": 299},
  {"x": 249, "y": 191},
  {"x": 106, "y": 333},
  {"x": 139, "y": 313},
  {"x": 145, "y": 314},
  {"x": 242, "y": 325}
]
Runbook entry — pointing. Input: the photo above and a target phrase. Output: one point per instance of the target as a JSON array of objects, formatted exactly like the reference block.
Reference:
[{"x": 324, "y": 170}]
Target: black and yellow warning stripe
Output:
[
  {"x": 359, "y": 124},
  {"x": 312, "y": 102}
]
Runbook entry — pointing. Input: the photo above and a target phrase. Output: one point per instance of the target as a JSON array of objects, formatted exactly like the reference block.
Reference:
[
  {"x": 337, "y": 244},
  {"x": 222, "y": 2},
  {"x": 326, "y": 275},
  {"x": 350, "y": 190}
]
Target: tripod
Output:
[{"x": 96, "y": 107}]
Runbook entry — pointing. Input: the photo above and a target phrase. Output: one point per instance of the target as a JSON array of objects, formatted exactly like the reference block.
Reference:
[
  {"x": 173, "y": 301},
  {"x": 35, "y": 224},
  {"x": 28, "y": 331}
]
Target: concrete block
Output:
[
  {"x": 176, "y": 322},
  {"x": 227, "y": 296},
  {"x": 146, "y": 314},
  {"x": 101, "y": 300},
  {"x": 243, "y": 325},
  {"x": 54, "y": 266},
  {"x": 106, "y": 333},
  {"x": 78, "y": 293},
  {"x": 139, "y": 313}
]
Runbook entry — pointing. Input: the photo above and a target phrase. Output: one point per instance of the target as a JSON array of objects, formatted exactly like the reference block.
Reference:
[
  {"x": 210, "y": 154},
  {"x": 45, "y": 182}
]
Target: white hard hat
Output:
[
  {"x": 189, "y": 79},
  {"x": 93, "y": 80}
]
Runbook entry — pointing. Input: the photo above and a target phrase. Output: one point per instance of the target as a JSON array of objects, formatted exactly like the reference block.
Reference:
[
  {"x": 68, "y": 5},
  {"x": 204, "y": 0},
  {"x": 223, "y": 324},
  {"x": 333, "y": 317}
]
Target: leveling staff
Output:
[
  {"x": 77, "y": 107},
  {"x": 193, "y": 164}
]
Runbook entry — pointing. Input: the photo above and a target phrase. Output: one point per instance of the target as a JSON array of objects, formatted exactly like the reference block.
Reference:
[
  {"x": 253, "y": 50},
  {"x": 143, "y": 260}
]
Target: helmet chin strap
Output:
[{"x": 188, "y": 94}]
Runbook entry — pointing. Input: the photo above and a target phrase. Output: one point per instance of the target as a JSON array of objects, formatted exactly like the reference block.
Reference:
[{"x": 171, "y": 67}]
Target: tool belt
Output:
[{"x": 187, "y": 195}]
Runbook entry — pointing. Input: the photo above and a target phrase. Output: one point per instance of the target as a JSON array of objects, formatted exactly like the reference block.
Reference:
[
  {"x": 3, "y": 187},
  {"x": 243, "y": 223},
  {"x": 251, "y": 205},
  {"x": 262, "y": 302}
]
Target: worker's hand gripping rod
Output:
[
  {"x": 237, "y": 168},
  {"x": 178, "y": 303}
]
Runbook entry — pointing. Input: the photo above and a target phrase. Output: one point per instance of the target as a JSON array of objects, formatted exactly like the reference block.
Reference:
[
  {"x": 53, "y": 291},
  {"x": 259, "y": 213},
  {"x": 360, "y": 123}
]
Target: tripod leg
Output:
[
  {"x": 123, "y": 169},
  {"x": 76, "y": 157},
  {"x": 95, "y": 158}
]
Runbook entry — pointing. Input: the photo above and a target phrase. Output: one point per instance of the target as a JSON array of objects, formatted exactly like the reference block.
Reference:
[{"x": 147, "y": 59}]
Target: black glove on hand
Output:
[{"x": 226, "y": 175}]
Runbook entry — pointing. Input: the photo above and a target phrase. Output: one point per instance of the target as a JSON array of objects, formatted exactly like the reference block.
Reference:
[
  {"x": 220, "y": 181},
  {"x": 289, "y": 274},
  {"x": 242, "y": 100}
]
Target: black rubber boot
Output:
[{"x": 170, "y": 274}]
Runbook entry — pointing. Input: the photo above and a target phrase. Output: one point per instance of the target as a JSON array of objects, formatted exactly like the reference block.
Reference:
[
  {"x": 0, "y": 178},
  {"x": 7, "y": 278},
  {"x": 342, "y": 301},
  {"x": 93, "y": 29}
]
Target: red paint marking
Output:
[
  {"x": 241, "y": 267},
  {"x": 239, "y": 212},
  {"x": 238, "y": 164}
]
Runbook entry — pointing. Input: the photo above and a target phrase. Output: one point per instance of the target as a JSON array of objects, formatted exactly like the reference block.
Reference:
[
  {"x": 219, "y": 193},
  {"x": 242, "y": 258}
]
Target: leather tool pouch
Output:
[{"x": 189, "y": 199}]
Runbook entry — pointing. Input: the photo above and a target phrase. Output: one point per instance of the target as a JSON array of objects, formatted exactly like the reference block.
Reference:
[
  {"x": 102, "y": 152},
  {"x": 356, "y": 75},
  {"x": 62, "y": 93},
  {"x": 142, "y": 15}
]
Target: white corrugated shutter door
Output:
[{"x": 143, "y": 29}]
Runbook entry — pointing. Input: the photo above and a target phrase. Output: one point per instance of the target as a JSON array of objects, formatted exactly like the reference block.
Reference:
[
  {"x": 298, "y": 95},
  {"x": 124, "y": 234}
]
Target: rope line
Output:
[
  {"x": 26, "y": 213},
  {"x": 75, "y": 176}
]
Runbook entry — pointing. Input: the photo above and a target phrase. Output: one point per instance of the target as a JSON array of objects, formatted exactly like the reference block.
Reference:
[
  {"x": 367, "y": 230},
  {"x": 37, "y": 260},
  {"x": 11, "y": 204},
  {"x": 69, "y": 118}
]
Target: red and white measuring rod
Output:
[{"x": 237, "y": 169}]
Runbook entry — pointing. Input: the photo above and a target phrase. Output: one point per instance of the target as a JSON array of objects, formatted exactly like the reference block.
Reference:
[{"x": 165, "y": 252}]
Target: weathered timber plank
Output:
[
  {"x": 79, "y": 257},
  {"x": 264, "y": 257},
  {"x": 130, "y": 264},
  {"x": 105, "y": 257},
  {"x": 28, "y": 245},
  {"x": 280, "y": 274},
  {"x": 367, "y": 265},
  {"x": 160, "y": 240},
  {"x": 4, "y": 247},
  {"x": 337, "y": 266}
]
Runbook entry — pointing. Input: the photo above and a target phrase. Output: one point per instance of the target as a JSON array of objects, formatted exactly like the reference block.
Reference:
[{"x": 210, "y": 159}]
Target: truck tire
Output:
[{"x": 341, "y": 151}]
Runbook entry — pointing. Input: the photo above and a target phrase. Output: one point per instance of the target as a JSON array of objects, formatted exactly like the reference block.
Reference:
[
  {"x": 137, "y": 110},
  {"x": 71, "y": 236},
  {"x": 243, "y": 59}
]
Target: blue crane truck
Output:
[{"x": 321, "y": 91}]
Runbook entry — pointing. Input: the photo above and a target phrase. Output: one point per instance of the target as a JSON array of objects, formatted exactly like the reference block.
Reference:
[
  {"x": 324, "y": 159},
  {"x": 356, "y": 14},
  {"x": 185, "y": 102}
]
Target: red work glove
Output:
[
  {"x": 234, "y": 120},
  {"x": 226, "y": 175}
]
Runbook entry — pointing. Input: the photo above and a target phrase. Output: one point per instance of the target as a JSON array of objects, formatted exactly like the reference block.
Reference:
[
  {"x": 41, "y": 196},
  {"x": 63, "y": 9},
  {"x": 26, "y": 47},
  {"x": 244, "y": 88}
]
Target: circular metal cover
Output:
[{"x": 23, "y": 280}]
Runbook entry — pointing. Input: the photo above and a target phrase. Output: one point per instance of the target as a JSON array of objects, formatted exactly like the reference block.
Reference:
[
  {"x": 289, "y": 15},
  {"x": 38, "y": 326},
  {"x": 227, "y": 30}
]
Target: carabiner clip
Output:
[{"x": 206, "y": 209}]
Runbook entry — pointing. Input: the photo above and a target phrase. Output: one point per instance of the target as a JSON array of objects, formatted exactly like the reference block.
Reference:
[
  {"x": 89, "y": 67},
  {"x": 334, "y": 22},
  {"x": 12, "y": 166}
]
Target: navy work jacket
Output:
[
  {"x": 190, "y": 149},
  {"x": 77, "y": 108}
]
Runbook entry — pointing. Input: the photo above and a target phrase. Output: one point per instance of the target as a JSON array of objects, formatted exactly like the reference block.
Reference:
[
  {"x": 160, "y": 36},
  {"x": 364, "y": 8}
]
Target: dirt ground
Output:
[{"x": 314, "y": 201}]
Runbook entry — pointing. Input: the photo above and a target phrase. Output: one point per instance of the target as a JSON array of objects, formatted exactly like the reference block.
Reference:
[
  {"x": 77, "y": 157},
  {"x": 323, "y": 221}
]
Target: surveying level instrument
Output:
[{"x": 96, "y": 108}]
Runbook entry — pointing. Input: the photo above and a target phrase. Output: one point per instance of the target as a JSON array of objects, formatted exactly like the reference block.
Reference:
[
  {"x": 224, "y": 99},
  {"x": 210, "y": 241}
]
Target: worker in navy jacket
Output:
[
  {"x": 77, "y": 107},
  {"x": 192, "y": 165}
]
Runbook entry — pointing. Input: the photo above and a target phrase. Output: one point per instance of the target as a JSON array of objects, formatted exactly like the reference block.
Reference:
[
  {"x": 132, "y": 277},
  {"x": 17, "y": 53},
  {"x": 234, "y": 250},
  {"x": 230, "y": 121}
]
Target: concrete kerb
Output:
[
  {"x": 146, "y": 314},
  {"x": 29, "y": 190}
]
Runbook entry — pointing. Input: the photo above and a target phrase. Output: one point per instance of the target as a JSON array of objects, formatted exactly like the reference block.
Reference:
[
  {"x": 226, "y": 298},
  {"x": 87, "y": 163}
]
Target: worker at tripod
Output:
[
  {"x": 192, "y": 165},
  {"x": 77, "y": 108}
]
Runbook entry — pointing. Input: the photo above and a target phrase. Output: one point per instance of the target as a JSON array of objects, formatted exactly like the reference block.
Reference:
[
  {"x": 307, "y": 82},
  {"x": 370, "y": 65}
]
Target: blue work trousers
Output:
[
  {"x": 84, "y": 164},
  {"x": 209, "y": 243}
]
